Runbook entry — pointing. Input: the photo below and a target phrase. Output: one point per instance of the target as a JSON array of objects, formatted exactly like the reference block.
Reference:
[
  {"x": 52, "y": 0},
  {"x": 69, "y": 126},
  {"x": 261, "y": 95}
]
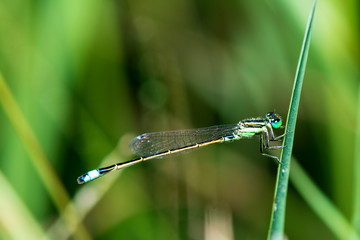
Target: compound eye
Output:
[{"x": 276, "y": 123}]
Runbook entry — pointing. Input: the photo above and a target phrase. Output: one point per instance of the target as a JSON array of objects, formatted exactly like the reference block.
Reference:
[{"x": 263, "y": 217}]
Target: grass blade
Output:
[
  {"x": 356, "y": 198},
  {"x": 276, "y": 230},
  {"x": 40, "y": 161},
  {"x": 320, "y": 204},
  {"x": 21, "y": 218}
]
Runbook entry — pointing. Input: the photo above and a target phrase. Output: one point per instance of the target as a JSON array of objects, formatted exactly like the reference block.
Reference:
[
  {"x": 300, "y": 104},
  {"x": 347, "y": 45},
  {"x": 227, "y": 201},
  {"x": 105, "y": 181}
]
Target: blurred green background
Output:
[{"x": 90, "y": 75}]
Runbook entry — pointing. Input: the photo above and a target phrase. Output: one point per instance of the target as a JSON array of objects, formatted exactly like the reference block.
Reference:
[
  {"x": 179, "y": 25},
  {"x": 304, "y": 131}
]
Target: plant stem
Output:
[{"x": 276, "y": 229}]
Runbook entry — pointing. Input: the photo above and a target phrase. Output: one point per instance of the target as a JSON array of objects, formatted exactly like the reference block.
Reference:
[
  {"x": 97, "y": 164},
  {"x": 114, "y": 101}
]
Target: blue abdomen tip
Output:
[{"x": 88, "y": 176}]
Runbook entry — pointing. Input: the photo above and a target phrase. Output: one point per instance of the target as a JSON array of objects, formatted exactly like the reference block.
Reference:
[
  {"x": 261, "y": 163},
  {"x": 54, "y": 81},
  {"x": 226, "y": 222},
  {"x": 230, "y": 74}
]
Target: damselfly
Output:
[{"x": 160, "y": 144}]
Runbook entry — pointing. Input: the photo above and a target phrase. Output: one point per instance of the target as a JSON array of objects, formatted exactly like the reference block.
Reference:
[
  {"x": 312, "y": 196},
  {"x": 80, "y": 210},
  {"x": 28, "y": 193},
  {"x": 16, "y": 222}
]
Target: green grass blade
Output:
[
  {"x": 40, "y": 161},
  {"x": 356, "y": 198},
  {"x": 15, "y": 216},
  {"x": 276, "y": 230},
  {"x": 320, "y": 204},
  {"x": 97, "y": 190}
]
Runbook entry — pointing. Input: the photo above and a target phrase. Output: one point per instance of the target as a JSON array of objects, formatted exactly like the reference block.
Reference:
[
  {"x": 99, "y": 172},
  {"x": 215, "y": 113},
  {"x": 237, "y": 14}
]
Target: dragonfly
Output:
[{"x": 160, "y": 144}]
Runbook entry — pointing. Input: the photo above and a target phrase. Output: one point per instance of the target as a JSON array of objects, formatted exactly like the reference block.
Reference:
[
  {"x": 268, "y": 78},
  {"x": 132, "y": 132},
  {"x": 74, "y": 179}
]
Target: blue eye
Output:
[{"x": 277, "y": 123}]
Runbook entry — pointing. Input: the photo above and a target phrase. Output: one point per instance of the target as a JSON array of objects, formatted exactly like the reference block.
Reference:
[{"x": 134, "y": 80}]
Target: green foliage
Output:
[
  {"x": 79, "y": 79},
  {"x": 276, "y": 230}
]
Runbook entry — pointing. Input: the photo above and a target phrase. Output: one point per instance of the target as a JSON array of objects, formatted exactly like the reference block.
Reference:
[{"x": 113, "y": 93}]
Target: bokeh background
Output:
[{"x": 81, "y": 78}]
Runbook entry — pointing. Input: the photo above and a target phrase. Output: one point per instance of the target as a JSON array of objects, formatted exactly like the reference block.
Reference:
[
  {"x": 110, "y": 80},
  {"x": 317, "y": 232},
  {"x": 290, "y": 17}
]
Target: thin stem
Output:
[{"x": 276, "y": 229}]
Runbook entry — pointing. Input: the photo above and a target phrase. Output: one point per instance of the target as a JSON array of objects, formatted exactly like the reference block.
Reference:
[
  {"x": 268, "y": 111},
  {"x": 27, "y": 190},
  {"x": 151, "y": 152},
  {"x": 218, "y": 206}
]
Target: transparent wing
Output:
[{"x": 152, "y": 143}]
